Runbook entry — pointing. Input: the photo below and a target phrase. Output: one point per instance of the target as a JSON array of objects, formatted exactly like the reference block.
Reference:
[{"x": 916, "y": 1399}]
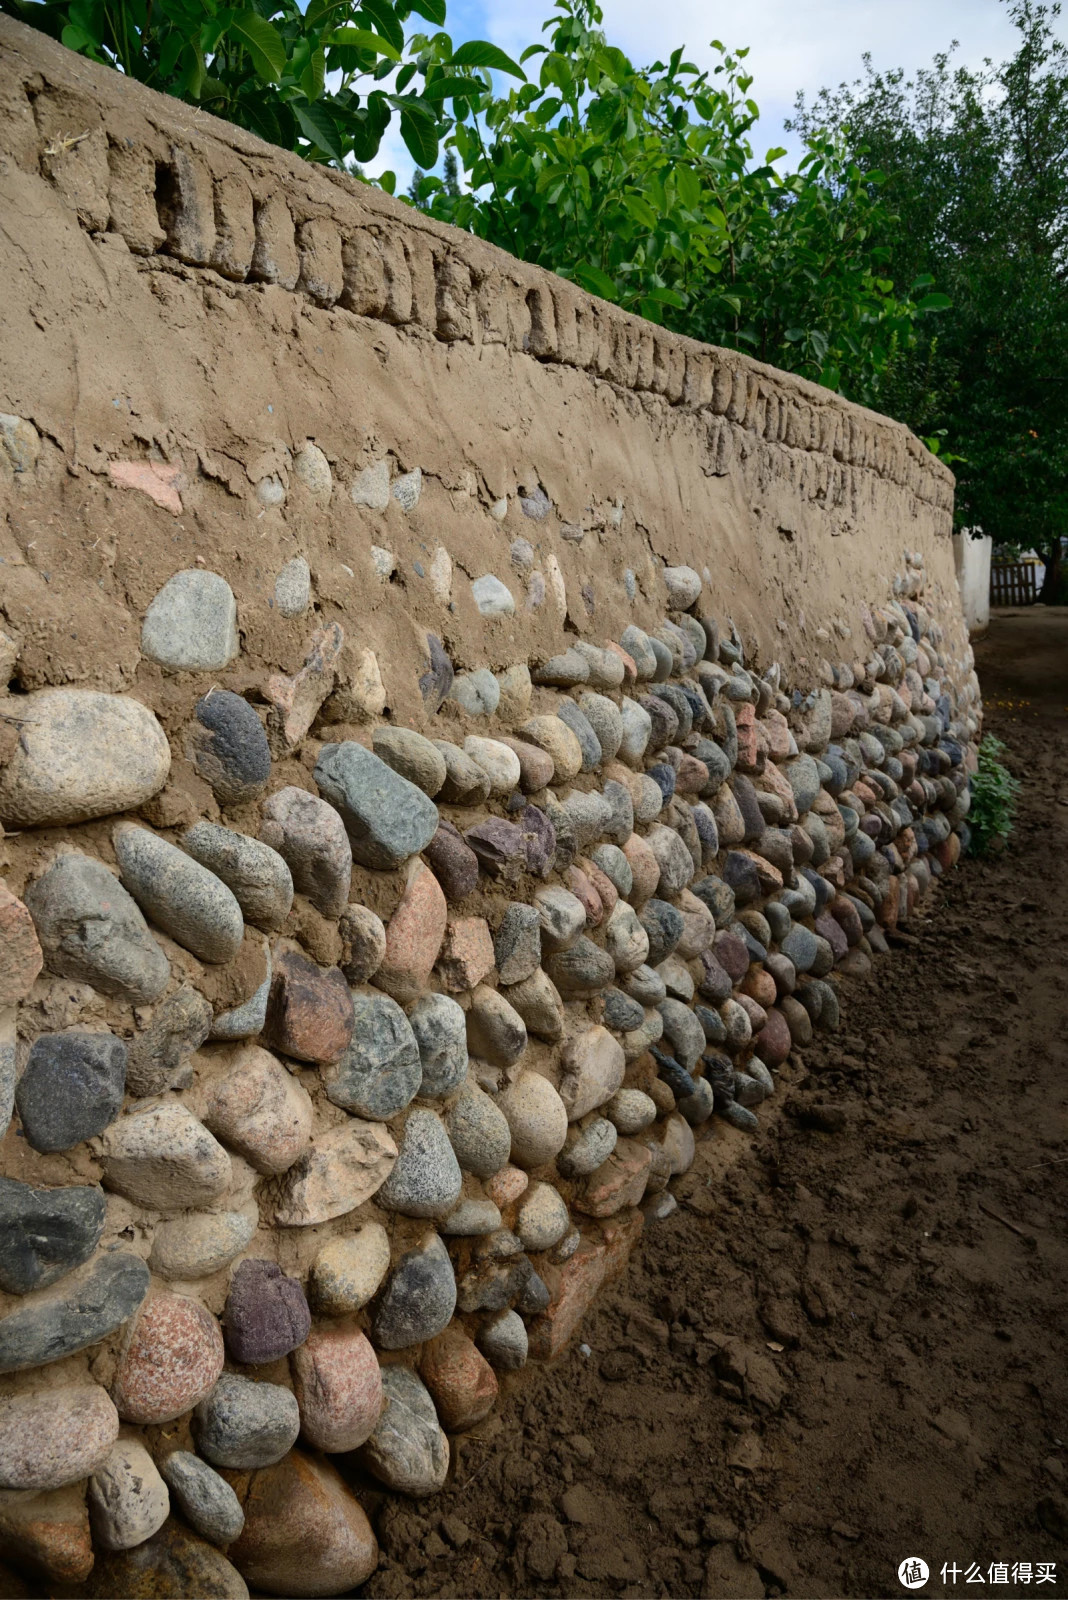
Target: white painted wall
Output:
[{"x": 972, "y": 560}]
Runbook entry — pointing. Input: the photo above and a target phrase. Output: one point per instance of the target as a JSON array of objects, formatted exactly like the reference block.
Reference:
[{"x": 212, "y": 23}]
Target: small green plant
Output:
[{"x": 993, "y": 808}]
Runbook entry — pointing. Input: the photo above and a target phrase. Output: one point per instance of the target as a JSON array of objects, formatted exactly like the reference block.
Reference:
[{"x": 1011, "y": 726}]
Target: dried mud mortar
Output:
[{"x": 918, "y": 1404}]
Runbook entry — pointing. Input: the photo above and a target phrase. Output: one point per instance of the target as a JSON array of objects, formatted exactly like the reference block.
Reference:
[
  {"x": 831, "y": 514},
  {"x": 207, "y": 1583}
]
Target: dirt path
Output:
[{"x": 849, "y": 1348}]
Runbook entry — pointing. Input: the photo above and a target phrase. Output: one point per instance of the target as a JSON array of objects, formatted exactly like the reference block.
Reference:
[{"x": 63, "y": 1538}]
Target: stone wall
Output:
[{"x": 454, "y": 737}]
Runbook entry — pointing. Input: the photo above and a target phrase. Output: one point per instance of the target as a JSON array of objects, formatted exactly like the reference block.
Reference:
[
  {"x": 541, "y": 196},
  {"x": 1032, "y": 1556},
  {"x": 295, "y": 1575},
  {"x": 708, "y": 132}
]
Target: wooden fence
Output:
[{"x": 1014, "y": 583}]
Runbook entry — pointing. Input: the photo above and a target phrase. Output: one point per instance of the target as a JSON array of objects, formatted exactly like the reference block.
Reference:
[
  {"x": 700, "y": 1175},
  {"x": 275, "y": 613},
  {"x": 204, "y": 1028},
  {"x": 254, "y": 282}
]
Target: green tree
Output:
[
  {"x": 641, "y": 185},
  {"x": 976, "y": 164},
  {"x": 323, "y": 79}
]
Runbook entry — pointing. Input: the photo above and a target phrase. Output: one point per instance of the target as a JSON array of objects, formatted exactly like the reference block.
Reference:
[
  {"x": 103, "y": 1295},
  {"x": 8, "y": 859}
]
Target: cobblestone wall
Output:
[{"x": 454, "y": 738}]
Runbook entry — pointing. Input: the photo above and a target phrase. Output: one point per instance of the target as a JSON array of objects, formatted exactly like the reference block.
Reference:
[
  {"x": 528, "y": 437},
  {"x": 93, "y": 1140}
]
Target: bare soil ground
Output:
[{"x": 846, "y": 1347}]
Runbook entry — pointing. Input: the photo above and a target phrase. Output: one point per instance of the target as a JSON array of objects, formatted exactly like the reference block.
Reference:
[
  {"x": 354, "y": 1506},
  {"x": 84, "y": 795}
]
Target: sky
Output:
[{"x": 794, "y": 44}]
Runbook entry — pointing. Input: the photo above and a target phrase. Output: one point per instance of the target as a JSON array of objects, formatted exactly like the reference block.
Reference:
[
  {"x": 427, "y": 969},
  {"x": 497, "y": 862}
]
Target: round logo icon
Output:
[{"x": 913, "y": 1573}]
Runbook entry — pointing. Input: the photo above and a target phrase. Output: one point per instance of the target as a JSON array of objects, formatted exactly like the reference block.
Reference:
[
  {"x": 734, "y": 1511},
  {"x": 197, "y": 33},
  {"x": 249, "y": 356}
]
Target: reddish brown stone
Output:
[
  {"x": 607, "y": 892},
  {"x": 305, "y": 1532},
  {"x": 172, "y": 1359},
  {"x": 750, "y": 758},
  {"x": 338, "y": 1385},
  {"x": 413, "y": 936},
  {"x": 506, "y": 1186},
  {"x": 691, "y": 775},
  {"x": 49, "y": 1532},
  {"x": 572, "y": 1289},
  {"x": 777, "y": 735},
  {"x": 619, "y": 1182},
  {"x": 620, "y": 1234},
  {"x": 536, "y": 768},
  {"x": 759, "y": 986},
  {"x": 21, "y": 957},
  {"x": 630, "y": 666},
  {"x": 644, "y": 866},
  {"x": 310, "y": 1015},
  {"x": 772, "y": 780},
  {"x": 460, "y": 1379},
  {"x": 772, "y": 1043},
  {"x": 583, "y": 890},
  {"x": 467, "y": 954}
]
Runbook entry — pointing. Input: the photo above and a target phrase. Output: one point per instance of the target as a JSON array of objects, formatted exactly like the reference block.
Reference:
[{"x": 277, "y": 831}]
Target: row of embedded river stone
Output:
[{"x": 305, "y": 1181}]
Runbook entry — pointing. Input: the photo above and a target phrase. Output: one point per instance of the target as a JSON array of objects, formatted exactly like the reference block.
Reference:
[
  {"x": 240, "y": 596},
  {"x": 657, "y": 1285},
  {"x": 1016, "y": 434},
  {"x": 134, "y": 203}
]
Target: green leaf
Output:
[
  {"x": 420, "y": 134},
  {"x": 449, "y": 87},
  {"x": 432, "y": 10},
  {"x": 934, "y": 302},
  {"x": 318, "y": 125},
  {"x": 479, "y": 53},
  {"x": 385, "y": 18},
  {"x": 596, "y": 281},
  {"x": 264, "y": 44},
  {"x": 363, "y": 39},
  {"x": 313, "y": 78}
]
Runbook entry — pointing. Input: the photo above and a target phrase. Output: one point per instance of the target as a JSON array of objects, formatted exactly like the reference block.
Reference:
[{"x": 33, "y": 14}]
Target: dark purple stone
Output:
[
  {"x": 665, "y": 722},
  {"x": 539, "y": 840},
  {"x": 664, "y": 778},
  {"x": 454, "y": 863},
  {"x": 266, "y": 1315},
  {"x": 499, "y": 846},
  {"x": 715, "y": 984},
  {"x": 740, "y": 874},
  {"x": 732, "y": 955}
]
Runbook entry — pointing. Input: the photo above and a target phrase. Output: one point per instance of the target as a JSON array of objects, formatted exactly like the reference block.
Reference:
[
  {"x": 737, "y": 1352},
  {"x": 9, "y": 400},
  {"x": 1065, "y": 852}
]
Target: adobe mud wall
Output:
[{"x": 453, "y": 738}]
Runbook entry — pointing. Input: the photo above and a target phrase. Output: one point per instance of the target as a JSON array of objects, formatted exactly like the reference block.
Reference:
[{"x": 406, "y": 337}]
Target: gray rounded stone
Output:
[
  {"x": 589, "y": 744},
  {"x": 46, "y": 1233},
  {"x": 72, "y": 1088},
  {"x": 80, "y": 754},
  {"x": 631, "y": 1111},
  {"x": 684, "y": 1032},
  {"x": 589, "y": 1149},
  {"x": 637, "y": 645},
  {"x": 698, "y": 1107},
  {"x": 802, "y": 947},
  {"x": 615, "y": 866},
  {"x": 412, "y": 755},
  {"x": 646, "y": 986},
  {"x": 257, "y": 876},
  {"x": 683, "y": 587},
  {"x": 206, "y": 1501},
  {"x": 311, "y": 838},
  {"x": 91, "y": 930},
  {"x": 479, "y": 1133},
  {"x": 620, "y": 824},
  {"x": 191, "y": 625},
  {"x": 542, "y": 1219},
  {"x": 379, "y": 1072},
  {"x": 440, "y": 1030},
  {"x": 364, "y": 939},
  {"x": 492, "y": 597},
  {"x": 229, "y": 748},
  {"x": 582, "y": 969},
  {"x": 201, "y": 1242},
  {"x": 292, "y": 588},
  {"x": 419, "y": 1298},
  {"x": 603, "y": 717},
  {"x": 182, "y": 897},
  {"x": 478, "y": 693},
  {"x": 637, "y": 730},
  {"x": 517, "y": 943},
  {"x": 84, "y": 1311},
  {"x": 243, "y": 1423},
  {"x": 472, "y": 1219},
  {"x": 621, "y": 1012},
  {"x": 664, "y": 924},
  {"x": 503, "y": 1341},
  {"x": 426, "y": 1178},
  {"x": 388, "y": 819},
  {"x": 408, "y": 1450}
]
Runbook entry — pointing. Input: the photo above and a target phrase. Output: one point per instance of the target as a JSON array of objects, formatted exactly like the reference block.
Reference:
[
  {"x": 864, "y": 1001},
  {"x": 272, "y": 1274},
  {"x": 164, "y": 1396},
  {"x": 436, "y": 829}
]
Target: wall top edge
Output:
[{"x": 474, "y": 285}]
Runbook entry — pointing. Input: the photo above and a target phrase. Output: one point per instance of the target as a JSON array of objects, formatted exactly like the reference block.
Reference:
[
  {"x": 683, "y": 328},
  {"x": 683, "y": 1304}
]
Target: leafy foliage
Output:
[
  {"x": 324, "y": 81},
  {"x": 977, "y": 170},
  {"x": 993, "y": 806},
  {"x": 641, "y": 185}
]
